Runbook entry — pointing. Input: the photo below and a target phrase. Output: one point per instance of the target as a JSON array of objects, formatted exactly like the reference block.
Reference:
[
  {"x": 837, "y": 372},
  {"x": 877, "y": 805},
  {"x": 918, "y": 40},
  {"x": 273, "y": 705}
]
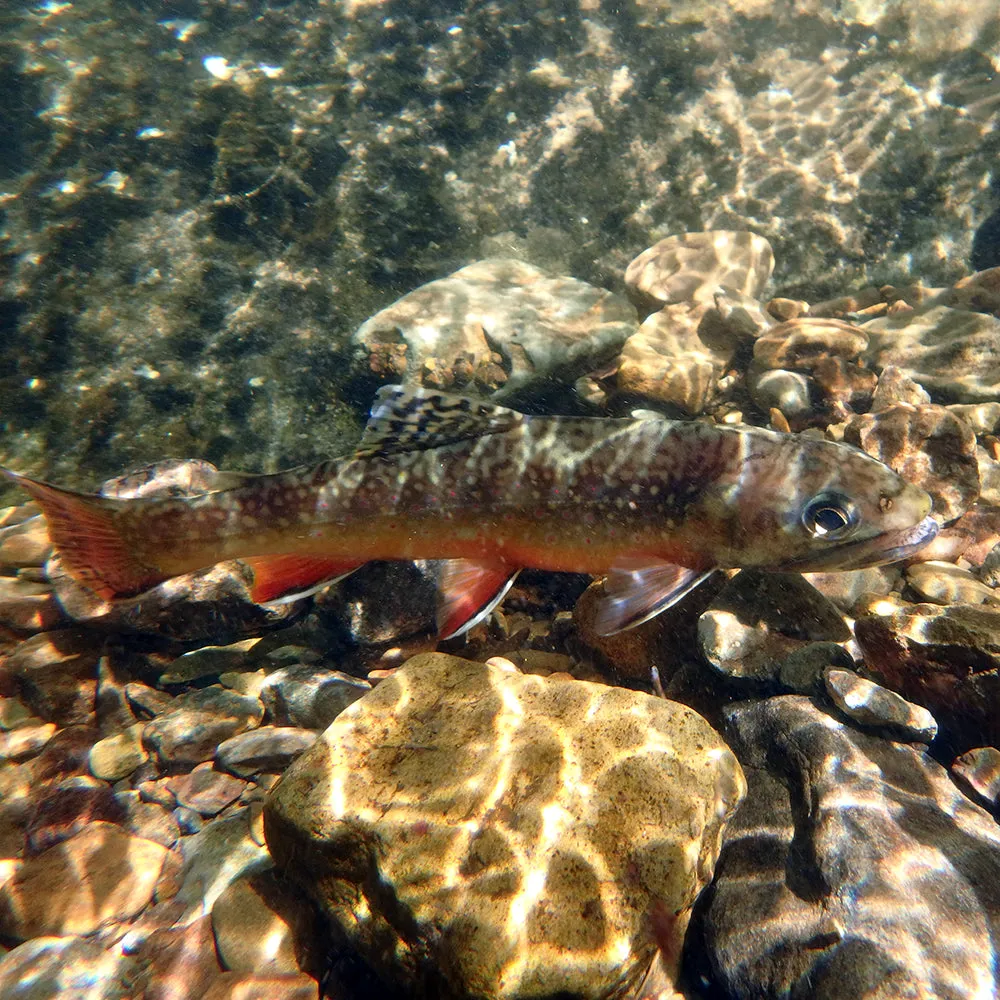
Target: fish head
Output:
[{"x": 807, "y": 504}]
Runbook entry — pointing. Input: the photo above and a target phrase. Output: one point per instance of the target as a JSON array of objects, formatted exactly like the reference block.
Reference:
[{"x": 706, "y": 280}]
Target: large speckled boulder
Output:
[
  {"x": 478, "y": 832},
  {"x": 856, "y": 868},
  {"x": 499, "y": 324}
]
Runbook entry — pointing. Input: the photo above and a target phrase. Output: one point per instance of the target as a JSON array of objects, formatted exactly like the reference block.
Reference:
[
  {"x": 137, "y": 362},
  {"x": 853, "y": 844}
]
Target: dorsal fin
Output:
[{"x": 414, "y": 419}]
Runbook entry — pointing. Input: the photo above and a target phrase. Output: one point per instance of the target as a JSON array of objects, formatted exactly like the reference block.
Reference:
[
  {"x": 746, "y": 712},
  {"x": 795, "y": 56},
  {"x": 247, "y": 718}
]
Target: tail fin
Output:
[{"x": 86, "y": 531}]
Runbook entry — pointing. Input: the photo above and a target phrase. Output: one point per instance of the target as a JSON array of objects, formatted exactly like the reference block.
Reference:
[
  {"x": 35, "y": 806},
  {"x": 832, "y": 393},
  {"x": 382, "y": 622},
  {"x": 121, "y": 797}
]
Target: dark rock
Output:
[
  {"x": 309, "y": 696},
  {"x": 197, "y": 723},
  {"x": 57, "y": 673},
  {"x": 760, "y": 619},
  {"x": 945, "y": 659},
  {"x": 843, "y": 840},
  {"x": 67, "y": 807},
  {"x": 269, "y": 748}
]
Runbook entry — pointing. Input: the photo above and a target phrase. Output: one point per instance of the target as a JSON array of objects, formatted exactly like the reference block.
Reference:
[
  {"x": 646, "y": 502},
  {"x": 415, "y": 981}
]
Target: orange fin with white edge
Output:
[
  {"x": 282, "y": 579},
  {"x": 468, "y": 592},
  {"x": 86, "y": 532}
]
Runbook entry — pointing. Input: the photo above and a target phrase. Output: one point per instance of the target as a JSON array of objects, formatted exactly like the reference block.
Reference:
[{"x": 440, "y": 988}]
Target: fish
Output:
[{"x": 652, "y": 505}]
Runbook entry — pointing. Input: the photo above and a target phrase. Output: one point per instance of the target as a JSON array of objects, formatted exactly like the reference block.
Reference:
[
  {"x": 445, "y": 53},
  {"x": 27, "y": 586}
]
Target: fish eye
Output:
[{"x": 830, "y": 515}]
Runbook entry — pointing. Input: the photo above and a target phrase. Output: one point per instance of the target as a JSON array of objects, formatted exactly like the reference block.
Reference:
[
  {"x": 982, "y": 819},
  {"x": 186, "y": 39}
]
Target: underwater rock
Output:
[
  {"x": 953, "y": 354},
  {"x": 27, "y": 606},
  {"x": 692, "y": 267},
  {"x": 497, "y": 326},
  {"x": 846, "y": 588},
  {"x": 979, "y": 771},
  {"x": 850, "y": 855},
  {"x": 214, "y": 857},
  {"x": 806, "y": 368},
  {"x": 308, "y": 696},
  {"x": 760, "y": 619},
  {"x": 381, "y": 603},
  {"x": 260, "y": 923},
  {"x": 895, "y": 387},
  {"x": 67, "y": 968},
  {"x": 875, "y": 707},
  {"x": 944, "y": 583},
  {"x": 25, "y": 543},
  {"x": 56, "y": 673},
  {"x": 177, "y": 959},
  {"x": 946, "y": 659},
  {"x": 801, "y": 344},
  {"x": 26, "y": 741},
  {"x": 269, "y": 748},
  {"x": 787, "y": 391},
  {"x": 62, "y": 809},
  {"x": 667, "y": 362},
  {"x": 197, "y": 722},
  {"x": 971, "y": 538},
  {"x": 927, "y": 446},
  {"x": 979, "y": 292},
  {"x": 700, "y": 293},
  {"x": 100, "y": 875},
  {"x": 205, "y": 791},
  {"x": 517, "y": 882}
]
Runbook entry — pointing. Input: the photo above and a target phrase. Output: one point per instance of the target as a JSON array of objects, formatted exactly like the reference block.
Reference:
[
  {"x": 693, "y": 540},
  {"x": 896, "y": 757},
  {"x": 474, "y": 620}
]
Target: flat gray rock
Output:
[{"x": 498, "y": 325}]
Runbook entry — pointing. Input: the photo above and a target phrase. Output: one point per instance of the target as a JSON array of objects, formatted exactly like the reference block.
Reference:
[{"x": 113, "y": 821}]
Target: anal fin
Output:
[
  {"x": 288, "y": 578},
  {"x": 636, "y": 590},
  {"x": 468, "y": 592}
]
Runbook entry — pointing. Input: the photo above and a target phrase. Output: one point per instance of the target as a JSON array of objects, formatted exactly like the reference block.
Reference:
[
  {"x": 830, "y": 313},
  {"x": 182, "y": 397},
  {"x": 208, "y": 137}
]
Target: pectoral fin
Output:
[
  {"x": 469, "y": 591},
  {"x": 636, "y": 590}
]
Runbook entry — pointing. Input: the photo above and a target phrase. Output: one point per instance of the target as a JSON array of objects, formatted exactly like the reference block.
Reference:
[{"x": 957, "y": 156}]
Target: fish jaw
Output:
[{"x": 888, "y": 547}]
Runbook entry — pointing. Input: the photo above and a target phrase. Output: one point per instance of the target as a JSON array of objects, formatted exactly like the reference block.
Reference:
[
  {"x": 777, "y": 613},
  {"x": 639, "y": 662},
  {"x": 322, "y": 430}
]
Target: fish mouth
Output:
[{"x": 888, "y": 547}]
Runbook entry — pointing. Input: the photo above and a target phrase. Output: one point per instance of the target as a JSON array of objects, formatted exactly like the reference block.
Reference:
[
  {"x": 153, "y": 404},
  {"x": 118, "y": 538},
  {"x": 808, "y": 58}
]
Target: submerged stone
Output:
[
  {"x": 690, "y": 267},
  {"x": 526, "y": 826},
  {"x": 500, "y": 326},
  {"x": 851, "y": 855}
]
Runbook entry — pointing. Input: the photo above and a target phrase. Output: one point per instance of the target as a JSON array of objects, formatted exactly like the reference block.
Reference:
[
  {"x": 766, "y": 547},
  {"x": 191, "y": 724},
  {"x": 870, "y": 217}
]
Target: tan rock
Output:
[
  {"x": 952, "y": 353},
  {"x": 28, "y": 606},
  {"x": 689, "y": 268},
  {"x": 799, "y": 344},
  {"x": 666, "y": 361},
  {"x": 255, "y": 922},
  {"x": 241, "y": 986},
  {"x": 25, "y": 741},
  {"x": 103, "y": 874},
  {"x": 524, "y": 825},
  {"x": 117, "y": 756},
  {"x": 25, "y": 544}
]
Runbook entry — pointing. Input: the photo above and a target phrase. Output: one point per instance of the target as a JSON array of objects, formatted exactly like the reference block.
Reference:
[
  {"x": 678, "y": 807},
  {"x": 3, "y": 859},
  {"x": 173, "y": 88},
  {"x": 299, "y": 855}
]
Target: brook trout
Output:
[{"x": 653, "y": 505}]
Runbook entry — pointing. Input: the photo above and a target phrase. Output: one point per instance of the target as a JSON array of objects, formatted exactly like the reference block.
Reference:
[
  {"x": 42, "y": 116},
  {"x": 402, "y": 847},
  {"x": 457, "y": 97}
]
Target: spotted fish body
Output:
[{"x": 654, "y": 504}]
